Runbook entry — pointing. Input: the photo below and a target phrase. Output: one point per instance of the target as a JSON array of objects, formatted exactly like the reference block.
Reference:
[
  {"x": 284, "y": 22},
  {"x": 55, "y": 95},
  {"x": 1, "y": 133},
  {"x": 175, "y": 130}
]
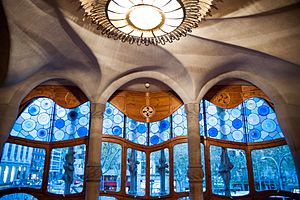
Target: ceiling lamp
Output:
[{"x": 146, "y": 21}]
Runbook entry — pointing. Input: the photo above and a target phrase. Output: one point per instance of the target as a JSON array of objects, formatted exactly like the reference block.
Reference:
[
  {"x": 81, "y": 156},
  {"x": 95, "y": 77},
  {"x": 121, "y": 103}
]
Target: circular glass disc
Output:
[{"x": 145, "y": 17}]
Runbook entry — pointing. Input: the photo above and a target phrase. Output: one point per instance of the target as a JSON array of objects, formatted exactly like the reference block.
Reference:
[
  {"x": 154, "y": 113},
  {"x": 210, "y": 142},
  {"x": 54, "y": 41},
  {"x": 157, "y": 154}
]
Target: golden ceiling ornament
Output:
[{"x": 146, "y": 21}]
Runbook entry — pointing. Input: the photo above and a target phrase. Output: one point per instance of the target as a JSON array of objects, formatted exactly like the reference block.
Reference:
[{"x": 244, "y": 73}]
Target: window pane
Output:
[
  {"x": 107, "y": 198},
  {"x": 229, "y": 173},
  {"x": 35, "y": 121},
  {"x": 136, "y": 172},
  {"x": 113, "y": 121},
  {"x": 201, "y": 119},
  {"x": 274, "y": 169},
  {"x": 179, "y": 122},
  {"x": 181, "y": 181},
  {"x": 136, "y": 131},
  {"x": 159, "y": 173},
  {"x": 21, "y": 166},
  {"x": 261, "y": 120},
  {"x": 111, "y": 160},
  {"x": 18, "y": 196},
  {"x": 160, "y": 131},
  {"x": 67, "y": 170},
  {"x": 225, "y": 124},
  {"x": 203, "y": 167},
  {"x": 71, "y": 123}
]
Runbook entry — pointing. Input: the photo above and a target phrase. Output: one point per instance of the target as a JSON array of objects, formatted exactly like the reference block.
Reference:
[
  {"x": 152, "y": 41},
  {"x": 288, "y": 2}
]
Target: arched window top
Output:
[
  {"x": 44, "y": 120},
  {"x": 254, "y": 120},
  {"x": 117, "y": 123}
]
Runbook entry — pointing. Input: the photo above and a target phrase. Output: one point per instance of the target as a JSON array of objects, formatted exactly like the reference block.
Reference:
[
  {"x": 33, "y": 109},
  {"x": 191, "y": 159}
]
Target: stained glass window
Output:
[
  {"x": 71, "y": 123},
  {"x": 137, "y": 131},
  {"x": 159, "y": 173},
  {"x": 136, "y": 172},
  {"x": 160, "y": 131},
  {"x": 229, "y": 175},
  {"x": 113, "y": 122},
  {"x": 181, "y": 181},
  {"x": 179, "y": 122},
  {"x": 261, "y": 121},
  {"x": 23, "y": 167},
  {"x": 18, "y": 196},
  {"x": 44, "y": 120},
  {"x": 67, "y": 170},
  {"x": 274, "y": 169},
  {"x": 111, "y": 162},
  {"x": 203, "y": 167}
]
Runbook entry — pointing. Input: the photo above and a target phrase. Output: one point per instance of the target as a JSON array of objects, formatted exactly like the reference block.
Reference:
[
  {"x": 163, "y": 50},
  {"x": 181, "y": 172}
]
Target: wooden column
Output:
[
  {"x": 195, "y": 171},
  {"x": 93, "y": 167}
]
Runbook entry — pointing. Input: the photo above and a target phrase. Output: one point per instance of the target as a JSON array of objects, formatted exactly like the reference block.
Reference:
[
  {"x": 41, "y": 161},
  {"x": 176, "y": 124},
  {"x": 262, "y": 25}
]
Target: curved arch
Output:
[
  {"x": 108, "y": 92},
  {"x": 288, "y": 121}
]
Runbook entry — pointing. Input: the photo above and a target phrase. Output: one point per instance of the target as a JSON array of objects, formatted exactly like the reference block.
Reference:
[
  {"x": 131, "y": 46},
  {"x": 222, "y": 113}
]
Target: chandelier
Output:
[{"x": 146, "y": 21}]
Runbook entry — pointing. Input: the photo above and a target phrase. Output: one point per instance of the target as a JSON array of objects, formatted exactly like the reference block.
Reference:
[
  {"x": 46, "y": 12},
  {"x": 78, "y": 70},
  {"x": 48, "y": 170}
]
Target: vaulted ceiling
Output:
[{"x": 254, "y": 40}]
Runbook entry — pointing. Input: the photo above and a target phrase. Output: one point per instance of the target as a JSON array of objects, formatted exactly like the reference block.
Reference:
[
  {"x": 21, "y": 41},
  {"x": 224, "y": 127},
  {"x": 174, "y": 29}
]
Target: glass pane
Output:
[
  {"x": 18, "y": 196},
  {"x": 261, "y": 121},
  {"x": 136, "y": 131},
  {"x": 274, "y": 169},
  {"x": 71, "y": 123},
  {"x": 21, "y": 166},
  {"x": 113, "y": 121},
  {"x": 107, "y": 198},
  {"x": 111, "y": 162},
  {"x": 67, "y": 170},
  {"x": 201, "y": 119},
  {"x": 225, "y": 124},
  {"x": 229, "y": 173},
  {"x": 159, "y": 173},
  {"x": 160, "y": 131},
  {"x": 136, "y": 172},
  {"x": 184, "y": 198},
  {"x": 203, "y": 167},
  {"x": 179, "y": 122},
  {"x": 181, "y": 181},
  {"x": 35, "y": 121}
]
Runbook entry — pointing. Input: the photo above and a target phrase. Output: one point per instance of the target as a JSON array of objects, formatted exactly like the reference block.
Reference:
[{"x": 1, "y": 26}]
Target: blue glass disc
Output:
[
  {"x": 42, "y": 133},
  {"x": 108, "y": 111},
  {"x": 117, "y": 130},
  {"x": 237, "y": 123},
  {"x": 263, "y": 110},
  {"x": 154, "y": 139},
  {"x": 72, "y": 115},
  {"x": 268, "y": 125},
  {"x": 82, "y": 131},
  {"x": 33, "y": 110},
  {"x": 164, "y": 125},
  {"x": 141, "y": 128},
  {"x": 255, "y": 134},
  {"x": 213, "y": 132},
  {"x": 59, "y": 123}
]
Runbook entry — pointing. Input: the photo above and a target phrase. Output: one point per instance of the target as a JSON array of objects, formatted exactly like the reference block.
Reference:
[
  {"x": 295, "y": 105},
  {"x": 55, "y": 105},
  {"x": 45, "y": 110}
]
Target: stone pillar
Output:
[
  {"x": 195, "y": 171},
  {"x": 94, "y": 151}
]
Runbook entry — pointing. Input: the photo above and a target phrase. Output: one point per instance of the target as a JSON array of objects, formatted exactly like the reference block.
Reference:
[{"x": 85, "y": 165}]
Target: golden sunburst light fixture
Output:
[{"x": 146, "y": 21}]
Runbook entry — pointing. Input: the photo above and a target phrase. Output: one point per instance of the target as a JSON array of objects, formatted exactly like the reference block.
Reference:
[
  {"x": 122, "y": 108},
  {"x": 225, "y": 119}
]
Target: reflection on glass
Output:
[
  {"x": 21, "y": 166},
  {"x": 274, "y": 169},
  {"x": 159, "y": 173},
  {"x": 67, "y": 170},
  {"x": 181, "y": 181},
  {"x": 136, "y": 172},
  {"x": 229, "y": 173},
  {"x": 18, "y": 196},
  {"x": 111, "y": 167}
]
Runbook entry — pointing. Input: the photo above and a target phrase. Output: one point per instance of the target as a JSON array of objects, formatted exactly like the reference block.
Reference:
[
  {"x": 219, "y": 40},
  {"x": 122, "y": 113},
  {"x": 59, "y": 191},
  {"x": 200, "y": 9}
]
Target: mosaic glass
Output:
[
  {"x": 229, "y": 175},
  {"x": 181, "y": 180},
  {"x": 274, "y": 169},
  {"x": 160, "y": 131},
  {"x": 18, "y": 196},
  {"x": 34, "y": 123},
  {"x": 136, "y": 172},
  {"x": 203, "y": 167},
  {"x": 66, "y": 174},
  {"x": 21, "y": 166},
  {"x": 136, "y": 131},
  {"x": 201, "y": 119},
  {"x": 225, "y": 124},
  {"x": 179, "y": 123},
  {"x": 159, "y": 173},
  {"x": 71, "y": 123},
  {"x": 261, "y": 121},
  {"x": 113, "y": 121},
  {"x": 111, "y": 162}
]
